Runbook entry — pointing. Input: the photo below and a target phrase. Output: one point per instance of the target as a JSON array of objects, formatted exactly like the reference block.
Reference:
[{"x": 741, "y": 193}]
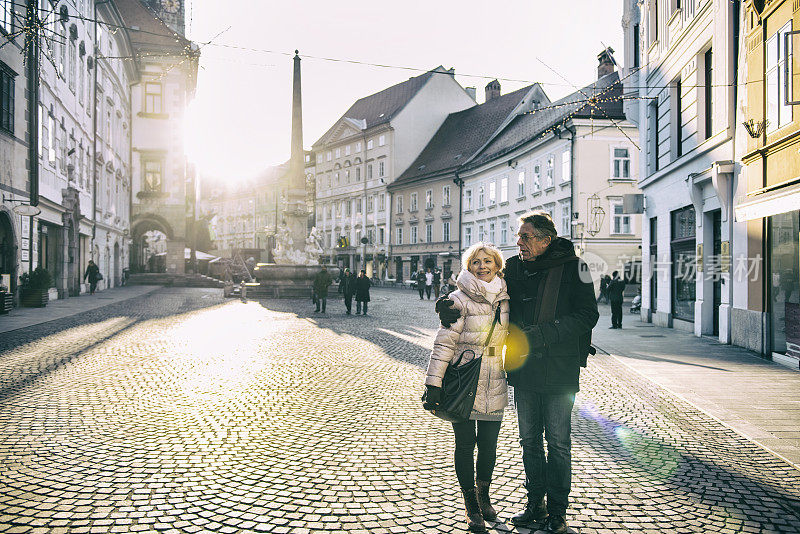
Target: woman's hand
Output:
[
  {"x": 433, "y": 397},
  {"x": 448, "y": 314}
]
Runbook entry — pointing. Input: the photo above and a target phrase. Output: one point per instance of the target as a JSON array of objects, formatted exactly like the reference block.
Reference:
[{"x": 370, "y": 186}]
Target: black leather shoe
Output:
[
  {"x": 532, "y": 516},
  {"x": 556, "y": 524}
]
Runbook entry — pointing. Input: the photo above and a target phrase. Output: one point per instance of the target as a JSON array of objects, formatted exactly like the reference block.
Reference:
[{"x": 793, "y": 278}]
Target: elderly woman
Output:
[{"x": 482, "y": 301}]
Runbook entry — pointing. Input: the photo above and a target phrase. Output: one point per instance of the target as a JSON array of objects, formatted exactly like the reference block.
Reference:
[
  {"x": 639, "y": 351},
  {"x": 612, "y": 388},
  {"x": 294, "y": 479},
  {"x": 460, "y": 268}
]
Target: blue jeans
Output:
[{"x": 548, "y": 414}]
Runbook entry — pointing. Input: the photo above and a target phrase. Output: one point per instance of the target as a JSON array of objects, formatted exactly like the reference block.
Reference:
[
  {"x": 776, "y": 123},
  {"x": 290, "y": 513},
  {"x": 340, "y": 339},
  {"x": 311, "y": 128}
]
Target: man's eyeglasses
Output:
[{"x": 530, "y": 237}]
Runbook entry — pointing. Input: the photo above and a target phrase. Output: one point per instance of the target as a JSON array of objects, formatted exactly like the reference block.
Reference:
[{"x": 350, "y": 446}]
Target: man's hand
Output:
[
  {"x": 447, "y": 313},
  {"x": 433, "y": 397},
  {"x": 535, "y": 338}
]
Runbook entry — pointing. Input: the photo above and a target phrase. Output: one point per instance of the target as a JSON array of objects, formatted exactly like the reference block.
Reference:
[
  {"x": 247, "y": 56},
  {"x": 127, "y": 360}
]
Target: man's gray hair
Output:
[{"x": 543, "y": 225}]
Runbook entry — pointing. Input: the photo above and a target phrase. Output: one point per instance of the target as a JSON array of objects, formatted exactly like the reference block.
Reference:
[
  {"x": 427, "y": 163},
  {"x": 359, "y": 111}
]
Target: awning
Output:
[{"x": 768, "y": 204}]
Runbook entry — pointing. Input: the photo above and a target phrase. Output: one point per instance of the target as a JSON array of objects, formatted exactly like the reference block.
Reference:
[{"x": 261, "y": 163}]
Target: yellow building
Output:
[{"x": 767, "y": 196}]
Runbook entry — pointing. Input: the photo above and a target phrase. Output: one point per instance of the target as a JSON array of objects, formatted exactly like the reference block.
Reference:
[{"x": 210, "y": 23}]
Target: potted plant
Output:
[{"x": 35, "y": 287}]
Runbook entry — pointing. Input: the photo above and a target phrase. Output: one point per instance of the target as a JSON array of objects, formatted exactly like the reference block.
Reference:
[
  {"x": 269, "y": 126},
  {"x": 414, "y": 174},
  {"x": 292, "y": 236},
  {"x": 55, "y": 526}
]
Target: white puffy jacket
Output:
[{"x": 469, "y": 332}]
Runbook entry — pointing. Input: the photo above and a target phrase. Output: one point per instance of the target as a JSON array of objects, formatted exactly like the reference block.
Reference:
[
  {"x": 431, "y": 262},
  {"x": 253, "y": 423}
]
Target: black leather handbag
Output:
[{"x": 460, "y": 383}]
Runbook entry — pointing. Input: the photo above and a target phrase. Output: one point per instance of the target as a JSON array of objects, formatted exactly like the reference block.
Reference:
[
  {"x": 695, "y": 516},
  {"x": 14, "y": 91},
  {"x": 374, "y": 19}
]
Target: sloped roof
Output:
[
  {"x": 382, "y": 106},
  {"x": 527, "y": 127},
  {"x": 460, "y": 135},
  {"x": 152, "y": 31}
]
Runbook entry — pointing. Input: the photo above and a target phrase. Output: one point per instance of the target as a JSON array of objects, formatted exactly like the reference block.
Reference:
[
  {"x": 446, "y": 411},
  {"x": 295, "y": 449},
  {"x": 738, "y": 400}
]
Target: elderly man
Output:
[{"x": 553, "y": 311}]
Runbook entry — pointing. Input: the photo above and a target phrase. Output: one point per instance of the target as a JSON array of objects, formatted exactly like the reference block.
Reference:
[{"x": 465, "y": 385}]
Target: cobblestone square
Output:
[{"x": 180, "y": 411}]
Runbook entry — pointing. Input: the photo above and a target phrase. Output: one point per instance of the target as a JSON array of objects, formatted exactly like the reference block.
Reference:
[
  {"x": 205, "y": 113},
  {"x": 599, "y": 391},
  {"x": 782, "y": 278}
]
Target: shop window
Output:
[
  {"x": 784, "y": 249},
  {"x": 684, "y": 267}
]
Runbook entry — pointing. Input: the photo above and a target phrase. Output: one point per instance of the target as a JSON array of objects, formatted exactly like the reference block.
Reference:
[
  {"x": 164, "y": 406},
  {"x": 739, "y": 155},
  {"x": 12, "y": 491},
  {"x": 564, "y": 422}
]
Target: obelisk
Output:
[{"x": 296, "y": 214}]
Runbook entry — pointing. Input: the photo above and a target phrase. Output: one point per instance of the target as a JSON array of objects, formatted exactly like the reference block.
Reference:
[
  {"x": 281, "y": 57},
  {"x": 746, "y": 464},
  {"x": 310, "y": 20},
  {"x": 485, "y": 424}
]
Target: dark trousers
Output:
[
  {"x": 421, "y": 289},
  {"x": 616, "y": 313},
  {"x": 358, "y": 307},
  {"x": 348, "y": 302},
  {"x": 551, "y": 475},
  {"x": 428, "y": 291},
  {"x": 322, "y": 301},
  {"x": 92, "y": 287},
  {"x": 484, "y": 435},
  {"x": 436, "y": 288}
]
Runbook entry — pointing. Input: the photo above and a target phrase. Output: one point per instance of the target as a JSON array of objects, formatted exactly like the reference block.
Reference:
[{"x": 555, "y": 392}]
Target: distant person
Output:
[
  {"x": 362, "y": 291},
  {"x": 437, "y": 282},
  {"x": 322, "y": 282},
  {"x": 347, "y": 287},
  {"x": 428, "y": 282},
  {"x": 421, "y": 284},
  {"x": 93, "y": 274},
  {"x": 604, "y": 280},
  {"x": 615, "y": 288}
]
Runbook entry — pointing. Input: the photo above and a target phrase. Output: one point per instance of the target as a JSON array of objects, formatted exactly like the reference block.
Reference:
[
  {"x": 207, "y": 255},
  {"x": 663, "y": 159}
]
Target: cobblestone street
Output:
[{"x": 180, "y": 411}]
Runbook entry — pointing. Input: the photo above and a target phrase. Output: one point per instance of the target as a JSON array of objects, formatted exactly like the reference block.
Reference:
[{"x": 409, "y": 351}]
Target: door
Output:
[{"x": 716, "y": 228}]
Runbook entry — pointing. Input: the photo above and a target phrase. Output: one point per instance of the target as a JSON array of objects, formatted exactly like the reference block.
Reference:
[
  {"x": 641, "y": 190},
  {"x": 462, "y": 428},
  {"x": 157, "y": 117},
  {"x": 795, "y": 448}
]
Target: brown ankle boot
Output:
[
  {"x": 487, "y": 510},
  {"x": 475, "y": 521}
]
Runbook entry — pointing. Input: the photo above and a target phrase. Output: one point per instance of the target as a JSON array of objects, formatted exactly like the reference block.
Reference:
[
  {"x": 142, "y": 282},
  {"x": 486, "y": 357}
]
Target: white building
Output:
[
  {"x": 364, "y": 151},
  {"x": 687, "y": 87}
]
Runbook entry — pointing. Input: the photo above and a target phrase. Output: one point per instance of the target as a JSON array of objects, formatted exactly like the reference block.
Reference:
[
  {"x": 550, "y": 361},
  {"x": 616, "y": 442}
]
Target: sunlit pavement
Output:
[{"x": 183, "y": 412}]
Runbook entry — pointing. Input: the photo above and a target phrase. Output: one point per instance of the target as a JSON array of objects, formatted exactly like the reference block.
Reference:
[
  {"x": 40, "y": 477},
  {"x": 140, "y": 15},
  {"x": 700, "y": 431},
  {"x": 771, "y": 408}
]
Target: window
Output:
[
  {"x": 429, "y": 233},
  {"x": 635, "y": 46},
  {"x": 336, "y": 178},
  {"x": 481, "y": 232},
  {"x": 348, "y": 208},
  {"x": 347, "y": 176},
  {"x": 399, "y": 203},
  {"x": 504, "y": 189},
  {"x": 382, "y": 202},
  {"x": 683, "y": 254},
  {"x": 152, "y": 97},
  {"x": 503, "y": 232},
  {"x": 652, "y": 24},
  {"x": 677, "y": 114},
  {"x": 369, "y": 171},
  {"x": 778, "y": 113},
  {"x": 492, "y": 192},
  {"x": 369, "y": 144},
  {"x": 708, "y": 81},
  {"x": 537, "y": 178},
  {"x": 551, "y": 162},
  {"x": 428, "y": 199},
  {"x": 381, "y": 168},
  {"x": 480, "y": 196},
  {"x": 622, "y": 163},
  {"x": 491, "y": 232},
  {"x": 152, "y": 176},
  {"x": 81, "y": 82},
  {"x": 446, "y": 196},
  {"x": 468, "y": 199},
  {"x": 358, "y": 147},
  {"x": 652, "y": 138},
  {"x": 381, "y": 140},
  {"x": 414, "y": 236},
  {"x": 43, "y": 132},
  {"x": 399, "y": 239},
  {"x": 319, "y": 158},
  {"x": 521, "y": 184},
  {"x": 620, "y": 222},
  {"x": 73, "y": 63},
  {"x": 370, "y": 203},
  {"x": 413, "y": 206},
  {"x": 381, "y": 235},
  {"x": 51, "y": 141},
  {"x": 359, "y": 202},
  {"x": 446, "y": 231},
  {"x": 347, "y": 150},
  {"x": 566, "y": 219},
  {"x": 468, "y": 236},
  {"x": 358, "y": 174},
  {"x": 566, "y": 166},
  {"x": 6, "y": 99},
  {"x": 6, "y": 16},
  {"x": 338, "y": 152},
  {"x": 328, "y": 155}
]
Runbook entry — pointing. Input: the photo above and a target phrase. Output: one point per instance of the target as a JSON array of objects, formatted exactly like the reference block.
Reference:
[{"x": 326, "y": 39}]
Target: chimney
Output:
[
  {"x": 472, "y": 92},
  {"x": 606, "y": 63},
  {"x": 492, "y": 90}
]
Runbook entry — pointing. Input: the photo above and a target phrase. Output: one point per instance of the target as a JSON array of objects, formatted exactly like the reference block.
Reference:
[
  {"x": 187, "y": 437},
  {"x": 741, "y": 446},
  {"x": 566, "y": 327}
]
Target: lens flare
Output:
[{"x": 516, "y": 349}]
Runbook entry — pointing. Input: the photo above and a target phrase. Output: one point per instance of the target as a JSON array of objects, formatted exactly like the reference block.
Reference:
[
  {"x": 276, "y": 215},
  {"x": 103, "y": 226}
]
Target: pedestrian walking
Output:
[
  {"x": 428, "y": 282},
  {"x": 421, "y": 284},
  {"x": 481, "y": 302},
  {"x": 437, "y": 282},
  {"x": 604, "y": 280},
  {"x": 347, "y": 286},
  {"x": 615, "y": 288},
  {"x": 322, "y": 282},
  {"x": 362, "y": 291},
  {"x": 552, "y": 312},
  {"x": 94, "y": 276}
]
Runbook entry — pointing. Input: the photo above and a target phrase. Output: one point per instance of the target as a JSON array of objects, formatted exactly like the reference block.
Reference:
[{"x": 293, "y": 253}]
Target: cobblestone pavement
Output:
[{"x": 182, "y": 412}]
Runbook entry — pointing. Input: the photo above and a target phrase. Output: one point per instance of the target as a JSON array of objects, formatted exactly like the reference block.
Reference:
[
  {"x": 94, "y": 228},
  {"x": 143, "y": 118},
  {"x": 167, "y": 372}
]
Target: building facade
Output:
[
  {"x": 426, "y": 198},
  {"x": 766, "y": 245},
  {"x": 687, "y": 87},
  {"x": 365, "y": 151}
]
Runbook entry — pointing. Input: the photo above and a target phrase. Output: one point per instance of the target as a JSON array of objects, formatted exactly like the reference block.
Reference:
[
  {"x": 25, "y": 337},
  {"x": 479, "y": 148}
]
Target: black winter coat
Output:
[
  {"x": 615, "y": 289},
  {"x": 348, "y": 285},
  {"x": 548, "y": 355},
  {"x": 362, "y": 289}
]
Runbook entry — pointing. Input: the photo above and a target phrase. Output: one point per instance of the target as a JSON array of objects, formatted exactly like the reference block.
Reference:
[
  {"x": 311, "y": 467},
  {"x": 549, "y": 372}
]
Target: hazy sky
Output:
[{"x": 240, "y": 120}]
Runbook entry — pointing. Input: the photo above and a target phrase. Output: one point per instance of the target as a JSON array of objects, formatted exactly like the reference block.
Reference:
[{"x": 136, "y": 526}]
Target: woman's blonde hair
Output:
[{"x": 489, "y": 249}]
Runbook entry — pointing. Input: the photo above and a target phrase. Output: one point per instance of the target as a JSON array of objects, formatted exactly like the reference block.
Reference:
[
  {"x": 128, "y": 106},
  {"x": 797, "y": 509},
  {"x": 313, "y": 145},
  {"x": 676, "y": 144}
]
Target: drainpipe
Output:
[
  {"x": 460, "y": 183},
  {"x": 572, "y": 189},
  {"x": 32, "y": 65},
  {"x": 94, "y": 132}
]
